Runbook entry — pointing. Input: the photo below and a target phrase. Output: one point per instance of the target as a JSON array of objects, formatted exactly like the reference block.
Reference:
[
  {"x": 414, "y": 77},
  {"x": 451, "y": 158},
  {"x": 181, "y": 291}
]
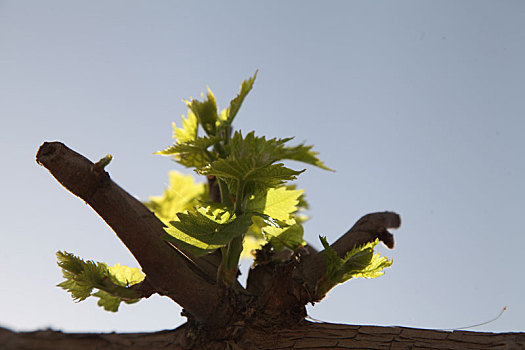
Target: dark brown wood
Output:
[
  {"x": 168, "y": 271},
  {"x": 282, "y": 289},
  {"x": 268, "y": 315},
  {"x": 306, "y": 336}
]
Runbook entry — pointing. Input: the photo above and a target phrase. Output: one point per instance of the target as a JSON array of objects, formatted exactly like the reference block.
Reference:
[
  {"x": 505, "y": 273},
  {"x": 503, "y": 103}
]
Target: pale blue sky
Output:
[{"x": 418, "y": 105}]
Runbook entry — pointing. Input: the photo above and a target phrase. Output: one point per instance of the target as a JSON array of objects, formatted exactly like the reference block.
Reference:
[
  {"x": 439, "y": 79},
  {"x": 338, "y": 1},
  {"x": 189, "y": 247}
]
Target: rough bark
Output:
[
  {"x": 268, "y": 314},
  {"x": 168, "y": 271},
  {"x": 307, "y": 336}
]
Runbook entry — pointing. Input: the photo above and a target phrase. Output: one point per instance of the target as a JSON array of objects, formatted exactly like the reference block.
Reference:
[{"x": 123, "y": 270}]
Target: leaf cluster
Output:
[
  {"x": 361, "y": 261},
  {"x": 251, "y": 177},
  {"x": 258, "y": 208},
  {"x": 112, "y": 284},
  {"x": 204, "y": 230}
]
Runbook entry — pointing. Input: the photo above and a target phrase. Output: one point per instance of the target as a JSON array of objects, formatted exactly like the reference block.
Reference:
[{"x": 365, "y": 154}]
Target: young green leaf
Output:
[
  {"x": 250, "y": 178},
  {"x": 273, "y": 150},
  {"x": 204, "y": 230},
  {"x": 250, "y": 244},
  {"x": 206, "y": 112},
  {"x": 236, "y": 103},
  {"x": 280, "y": 237},
  {"x": 251, "y": 159},
  {"x": 192, "y": 153},
  {"x": 279, "y": 203},
  {"x": 125, "y": 276},
  {"x": 182, "y": 194},
  {"x": 82, "y": 277},
  {"x": 358, "y": 262},
  {"x": 188, "y": 132},
  {"x": 107, "y": 301},
  {"x": 111, "y": 302},
  {"x": 246, "y": 170},
  {"x": 304, "y": 154},
  {"x": 263, "y": 151}
]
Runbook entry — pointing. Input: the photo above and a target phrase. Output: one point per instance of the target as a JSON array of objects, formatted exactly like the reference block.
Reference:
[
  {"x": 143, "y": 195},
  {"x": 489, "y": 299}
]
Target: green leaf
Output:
[
  {"x": 107, "y": 301},
  {"x": 246, "y": 170},
  {"x": 206, "y": 112},
  {"x": 299, "y": 214},
  {"x": 255, "y": 238},
  {"x": 358, "y": 262},
  {"x": 182, "y": 194},
  {"x": 250, "y": 244},
  {"x": 261, "y": 150},
  {"x": 272, "y": 150},
  {"x": 236, "y": 103},
  {"x": 111, "y": 302},
  {"x": 188, "y": 132},
  {"x": 303, "y": 204},
  {"x": 79, "y": 291},
  {"x": 192, "y": 153},
  {"x": 304, "y": 154},
  {"x": 204, "y": 230},
  {"x": 188, "y": 149},
  {"x": 251, "y": 159},
  {"x": 124, "y": 275},
  {"x": 278, "y": 203},
  {"x": 82, "y": 277},
  {"x": 290, "y": 237},
  {"x": 69, "y": 263},
  {"x": 252, "y": 181}
]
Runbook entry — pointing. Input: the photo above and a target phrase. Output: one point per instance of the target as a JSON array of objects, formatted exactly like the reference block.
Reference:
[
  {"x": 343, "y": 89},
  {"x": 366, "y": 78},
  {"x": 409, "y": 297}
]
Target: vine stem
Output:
[
  {"x": 232, "y": 252},
  {"x": 169, "y": 271}
]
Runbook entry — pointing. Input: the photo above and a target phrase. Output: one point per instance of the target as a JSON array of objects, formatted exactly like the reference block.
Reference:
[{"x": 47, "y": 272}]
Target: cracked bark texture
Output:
[
  {"x": 307, "y": 336},
  {"x": 268, "y": 314}
]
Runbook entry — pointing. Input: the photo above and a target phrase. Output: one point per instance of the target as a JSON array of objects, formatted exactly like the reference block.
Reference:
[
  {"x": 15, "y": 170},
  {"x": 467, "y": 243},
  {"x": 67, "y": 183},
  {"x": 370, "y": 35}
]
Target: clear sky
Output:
[{"x": 418, "y": 105}]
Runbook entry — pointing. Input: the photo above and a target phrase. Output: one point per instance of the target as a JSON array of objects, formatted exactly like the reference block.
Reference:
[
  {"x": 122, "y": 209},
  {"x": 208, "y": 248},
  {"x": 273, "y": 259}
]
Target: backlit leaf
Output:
[
  {"x": 82, "y": 277},
  {"x": 278, "y": 203},
  {"x": 304, "y": 154},
  {"x": 206, "y": 112},
  {"x": 290, "y": 237},
  {"x": 182, "y": 194},
  {"x": 246, "y": 170},
  {"x": 188, "y": 132},
  {"x": 192, "y": 153},
  {"x": 125, "y": 276},
  {"x": 201, "y": 233},
  {"x": 236, "y": 103},
  {"x": 361, "y": 261}
]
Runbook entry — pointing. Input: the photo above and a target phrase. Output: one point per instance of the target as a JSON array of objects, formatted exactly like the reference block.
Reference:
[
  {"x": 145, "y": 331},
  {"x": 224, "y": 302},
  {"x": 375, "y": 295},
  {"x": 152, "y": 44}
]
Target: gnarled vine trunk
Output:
[{"x": 268, "y": 314}]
